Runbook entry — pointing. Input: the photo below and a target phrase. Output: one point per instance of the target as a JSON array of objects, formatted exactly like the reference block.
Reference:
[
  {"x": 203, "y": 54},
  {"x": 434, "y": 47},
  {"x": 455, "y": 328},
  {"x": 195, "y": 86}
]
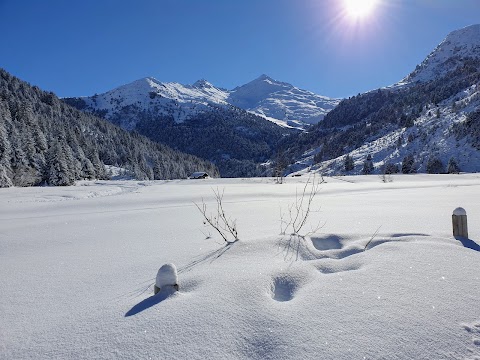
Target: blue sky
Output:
[{"x": 84, "y": 47}]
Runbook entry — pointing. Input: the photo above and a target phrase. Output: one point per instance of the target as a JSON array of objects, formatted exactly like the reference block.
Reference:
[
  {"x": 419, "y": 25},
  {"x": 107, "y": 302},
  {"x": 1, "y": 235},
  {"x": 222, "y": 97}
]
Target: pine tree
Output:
[
  {"x": 348, "y": 163},
  {"x": 452, "y": 167},
  {"x": 59, "y": 172},
  {"x": 368, "y": 165},
  {"x": 408, "y": 164},
  {"x": 5, "y": 152},
  {"x": 435, "y": 165}
]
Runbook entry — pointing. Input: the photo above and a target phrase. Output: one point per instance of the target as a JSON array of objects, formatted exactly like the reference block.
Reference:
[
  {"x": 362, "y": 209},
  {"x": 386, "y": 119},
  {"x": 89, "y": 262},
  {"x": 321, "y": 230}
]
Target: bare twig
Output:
[
  {"x": 371, "y": 239},
  {"x": 225, "y": 226},
  {"x": 300, "y": 210}
]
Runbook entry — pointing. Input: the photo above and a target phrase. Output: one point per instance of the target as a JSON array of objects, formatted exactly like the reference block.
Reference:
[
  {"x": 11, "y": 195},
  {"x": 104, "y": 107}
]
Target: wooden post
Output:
[{"x": 459, "y": 223}]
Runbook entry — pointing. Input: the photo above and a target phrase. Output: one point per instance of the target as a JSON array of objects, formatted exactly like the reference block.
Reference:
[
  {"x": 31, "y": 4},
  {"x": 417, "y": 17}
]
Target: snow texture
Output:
[{"x": 382, "y": 279}]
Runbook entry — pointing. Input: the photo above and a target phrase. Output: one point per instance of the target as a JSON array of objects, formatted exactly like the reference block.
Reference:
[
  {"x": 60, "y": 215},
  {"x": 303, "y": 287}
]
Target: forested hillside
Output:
[
  {"x": 237, "y": 141},
  {"x": 45, "y": 141},
  {"x": 430, "y": 119},
  {"x": 199, "y": 119}
]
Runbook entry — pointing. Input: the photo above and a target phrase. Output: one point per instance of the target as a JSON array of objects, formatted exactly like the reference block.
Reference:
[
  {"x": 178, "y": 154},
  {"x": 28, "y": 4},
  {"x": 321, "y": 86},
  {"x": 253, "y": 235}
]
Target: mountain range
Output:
[
  {"x": 422, "y": 117},
  {"x": 279, "y": 102},
  {"x": 427, "y": 122},
  {"x": 238, "y": 130}
]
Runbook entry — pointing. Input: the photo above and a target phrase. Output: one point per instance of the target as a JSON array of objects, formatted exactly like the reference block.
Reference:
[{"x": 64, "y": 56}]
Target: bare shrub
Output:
[
  {"x": 298, "y": 213},
  {"x": 225, "y": 226}
]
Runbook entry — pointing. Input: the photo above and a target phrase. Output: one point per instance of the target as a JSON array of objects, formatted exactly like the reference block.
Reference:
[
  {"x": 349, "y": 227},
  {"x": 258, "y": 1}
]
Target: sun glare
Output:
[{"x": 358, "y": 9}]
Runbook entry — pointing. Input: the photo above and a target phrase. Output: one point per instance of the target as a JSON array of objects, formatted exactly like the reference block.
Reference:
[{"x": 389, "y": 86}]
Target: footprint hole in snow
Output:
[
  {"x": 283, "y": 288},
  {"x": 328, "y": 242}
]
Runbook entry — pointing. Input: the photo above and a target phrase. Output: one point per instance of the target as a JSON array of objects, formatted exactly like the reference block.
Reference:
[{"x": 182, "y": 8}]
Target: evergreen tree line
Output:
[
  {"x": 409, "y": 165},
  {"x": 45, "y": 141},
  {"x": 236, "y": 141}
]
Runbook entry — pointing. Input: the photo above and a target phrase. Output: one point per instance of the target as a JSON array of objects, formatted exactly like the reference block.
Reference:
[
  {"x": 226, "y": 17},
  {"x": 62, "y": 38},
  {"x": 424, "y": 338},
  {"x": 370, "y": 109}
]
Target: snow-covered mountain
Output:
[
  {"x": 459, "y": 46},
  {"x": 238, "y": 130},
  {"x": 279, "y": 102},
  {"x": 150, "y": 95},
  {"x": 427, "y": 120}
]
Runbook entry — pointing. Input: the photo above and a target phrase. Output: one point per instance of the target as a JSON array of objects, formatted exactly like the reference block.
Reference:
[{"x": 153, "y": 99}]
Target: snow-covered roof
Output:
[{"x": 198, "y": 174}]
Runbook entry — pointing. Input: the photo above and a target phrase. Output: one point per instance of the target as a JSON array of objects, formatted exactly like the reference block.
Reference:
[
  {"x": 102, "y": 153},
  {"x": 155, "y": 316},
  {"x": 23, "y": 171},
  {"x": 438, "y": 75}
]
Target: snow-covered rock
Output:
[{"x": 166, "y": 276}]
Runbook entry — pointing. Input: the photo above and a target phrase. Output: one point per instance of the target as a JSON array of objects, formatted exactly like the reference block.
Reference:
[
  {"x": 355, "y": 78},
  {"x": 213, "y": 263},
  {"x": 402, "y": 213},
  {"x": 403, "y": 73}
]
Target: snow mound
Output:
[{"x": 166, "y": 275}]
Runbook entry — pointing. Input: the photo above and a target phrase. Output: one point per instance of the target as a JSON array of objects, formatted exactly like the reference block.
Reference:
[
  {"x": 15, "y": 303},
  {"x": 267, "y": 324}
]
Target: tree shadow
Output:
[
  {"x": 151, "y": 301},
  {"x": 208, "y": 257},
  {"x": 407, "y": 234},
  {"x": 470, "y": 244}
]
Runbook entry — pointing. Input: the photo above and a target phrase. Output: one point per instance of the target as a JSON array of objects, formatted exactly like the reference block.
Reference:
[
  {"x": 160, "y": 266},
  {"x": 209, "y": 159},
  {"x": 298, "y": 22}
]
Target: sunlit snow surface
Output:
[{"x": 78, "y": 264}]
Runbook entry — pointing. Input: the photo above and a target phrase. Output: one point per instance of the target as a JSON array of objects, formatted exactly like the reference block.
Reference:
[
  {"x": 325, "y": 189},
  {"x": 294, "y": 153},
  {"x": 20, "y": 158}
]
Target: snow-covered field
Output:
[{"x": 78, "y": 264}]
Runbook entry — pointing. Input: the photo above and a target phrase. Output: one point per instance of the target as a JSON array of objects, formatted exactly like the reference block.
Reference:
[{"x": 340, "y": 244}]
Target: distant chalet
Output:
[{"x": 199, "y": 175}]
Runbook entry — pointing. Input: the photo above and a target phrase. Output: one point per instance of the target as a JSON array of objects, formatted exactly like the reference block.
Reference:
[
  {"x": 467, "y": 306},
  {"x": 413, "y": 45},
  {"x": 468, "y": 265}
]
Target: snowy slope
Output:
[
  {"x": 433, "y": 134},
  {"x": 278, "y": 102},
  {"x": 78, "y": 266},
  {"x": 457, "y": 46},
  {"x": 282, "y": 101},
  {"x": 453, "y": 69},
  {"x": 149, "y": 94}
]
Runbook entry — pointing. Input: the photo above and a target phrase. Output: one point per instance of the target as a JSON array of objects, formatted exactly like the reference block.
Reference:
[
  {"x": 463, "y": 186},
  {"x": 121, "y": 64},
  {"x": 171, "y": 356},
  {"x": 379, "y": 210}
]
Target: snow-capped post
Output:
[
  {"x": 459, "y": 222},
  {"x": 166, "y": 277}
]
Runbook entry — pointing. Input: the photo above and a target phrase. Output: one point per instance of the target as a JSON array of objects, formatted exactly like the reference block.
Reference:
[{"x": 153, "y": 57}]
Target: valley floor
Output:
[{"x": 78, "y": 264}]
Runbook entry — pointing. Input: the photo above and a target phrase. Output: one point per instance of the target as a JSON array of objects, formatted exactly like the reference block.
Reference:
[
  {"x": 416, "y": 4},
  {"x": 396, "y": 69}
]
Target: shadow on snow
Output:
[
  {"x": 470, "y": 244},
  {"x": 151, "y": 301}
]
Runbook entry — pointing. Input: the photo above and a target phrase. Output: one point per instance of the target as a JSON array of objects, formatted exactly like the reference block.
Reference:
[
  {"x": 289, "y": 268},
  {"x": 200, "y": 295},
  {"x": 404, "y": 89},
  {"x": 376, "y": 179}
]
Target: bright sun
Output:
[{"x": 358, "y": 9}]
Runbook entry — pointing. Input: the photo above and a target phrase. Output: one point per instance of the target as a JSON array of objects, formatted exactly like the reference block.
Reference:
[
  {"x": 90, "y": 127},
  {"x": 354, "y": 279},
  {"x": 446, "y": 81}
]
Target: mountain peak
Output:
[
  {"x": 467, "y": 35},
  {"x": 264, "y": 77},
  {"x": 448, "y": 55},
  {"x": 202, "y": 84}
]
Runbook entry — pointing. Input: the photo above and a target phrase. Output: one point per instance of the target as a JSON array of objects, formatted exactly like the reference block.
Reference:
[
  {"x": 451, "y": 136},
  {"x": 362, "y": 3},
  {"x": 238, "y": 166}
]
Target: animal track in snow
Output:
[{"x": 283, "y": 288}]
